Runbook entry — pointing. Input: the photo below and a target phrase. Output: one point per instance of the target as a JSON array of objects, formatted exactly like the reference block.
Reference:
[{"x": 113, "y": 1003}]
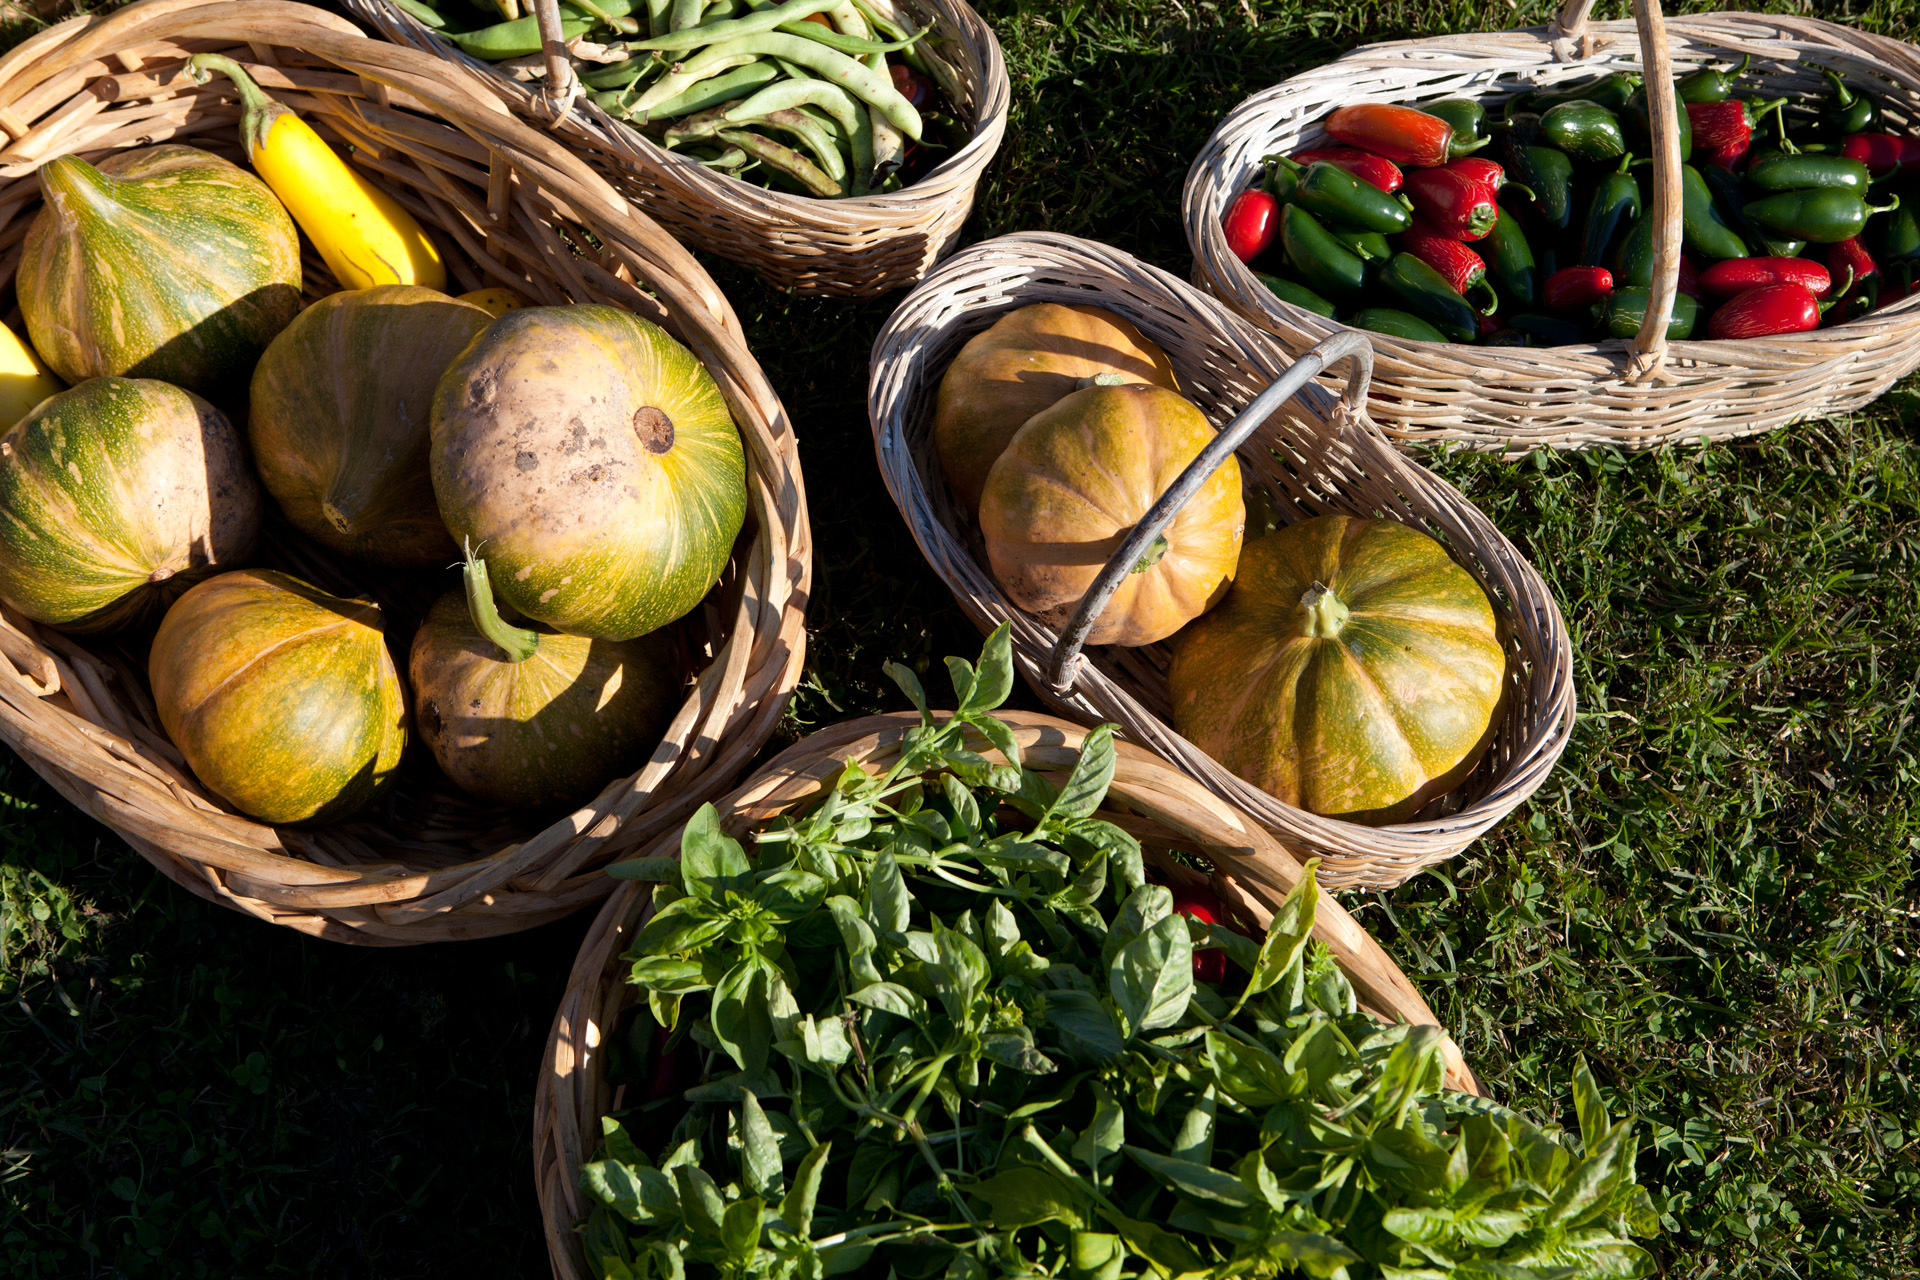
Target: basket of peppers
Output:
[{"x": 1588, "y": 233}]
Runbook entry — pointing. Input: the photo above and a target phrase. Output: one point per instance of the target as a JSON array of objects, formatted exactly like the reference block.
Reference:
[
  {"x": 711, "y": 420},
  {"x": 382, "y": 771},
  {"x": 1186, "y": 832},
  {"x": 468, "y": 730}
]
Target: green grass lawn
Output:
[{"x": 1712, "y": 899}]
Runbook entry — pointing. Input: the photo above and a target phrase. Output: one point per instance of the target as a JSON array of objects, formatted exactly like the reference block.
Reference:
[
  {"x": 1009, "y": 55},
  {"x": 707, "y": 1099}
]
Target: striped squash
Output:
[
  {"x": 116, "y": 496},
  {"x": 338, "y": 419},
  {"x": 165, "y": 262},
  {"x": 1353, "y": 670},
  {"x": 283, "y": 699},
  {"x": 592, "y": 461}
]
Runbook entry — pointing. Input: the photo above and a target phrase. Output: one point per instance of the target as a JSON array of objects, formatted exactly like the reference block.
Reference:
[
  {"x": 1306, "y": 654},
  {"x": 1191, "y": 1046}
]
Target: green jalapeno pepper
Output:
[
  {"x": 1848, "y": 110},
  {"x": 1395, "y": 323},
  {"x": 1611, "y": 91},
  {"x": 1613, "y": 208},
  {"x": 1321, "y": 262},
  {"x": 1706, "y": 230},
  {"x": 1731, "y": 201},
  {"x": 1780, "y": 171},
  {"x": 1632, "y": 263},
  {"x": 1640, "y": 132},
  {"x": 1467, "y": 116},
  {"x": 1411, "y": 285},
  {"x": 1899, "y": 237},
  {"x": 1585, "y": 131},
  {"x": 1544, "y": 170},
  {"x": 1328, "y": 191},
  {"x": 1509, "y": 259},
  {"x": 1368, "y": 246},
  {"x": 1620, "y": 313},
  {"x": 1821, "y": 215},
  {"x": 1710, "y": 84},
  {"x": 1298, "y": 294}
]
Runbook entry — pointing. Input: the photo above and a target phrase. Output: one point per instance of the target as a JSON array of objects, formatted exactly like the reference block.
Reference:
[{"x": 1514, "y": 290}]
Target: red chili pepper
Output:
[
  {"x": 1460, "y": 266},
  {"x": 1734, "y": 276},
  {"x": 1728, "y": 123},
  {"x": 1727, "y": 157},
  {"x": 1576, "y": 288},
  {"x": 1480, "y": 169},
  {"x": 1401, "y": 134},
  {"x": 1690, "y": 279},
  {"x": 1882, "y": 153},
  {"x": 1380, "y": 171},
  {"x": 1458, "y": 206},
  {"x": 1849, "y": 260},
  {"x": 1252, "y": 222},
  {"x": 1210, "y": 963},
  {"x": 1771, "y": 309}
]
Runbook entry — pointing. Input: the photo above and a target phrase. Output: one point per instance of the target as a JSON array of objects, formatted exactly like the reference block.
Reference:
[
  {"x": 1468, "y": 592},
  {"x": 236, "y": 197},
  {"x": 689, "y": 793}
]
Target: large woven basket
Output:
[
  {"x": 510, "y": 208},
  {"x": 1151, "y": 798},
  {"x": 1623, "y": 393},
  {"x": 1313, "y": 458},
  {"x": 854, "y": 248}
]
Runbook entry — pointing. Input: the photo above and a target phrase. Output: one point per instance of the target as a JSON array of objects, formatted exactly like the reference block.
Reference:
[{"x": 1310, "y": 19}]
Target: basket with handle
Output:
[
  {"x": 1627, "y": 393},
  {"x": 856, "y": 247},
  {"x": 1251, "y": 874},
  {"x": 510, "y": 207},
  {"x": 1310, "y": 454}
]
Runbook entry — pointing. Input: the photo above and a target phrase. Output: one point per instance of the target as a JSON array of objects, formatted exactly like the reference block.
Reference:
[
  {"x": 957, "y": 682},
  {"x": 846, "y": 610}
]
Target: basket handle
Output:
[
  {"x": 1346, "y": 345},
  {"x": 562, "y": 86},
  {"x": 1663, "y": 112},
  {"x": 1568, "y": 34}
]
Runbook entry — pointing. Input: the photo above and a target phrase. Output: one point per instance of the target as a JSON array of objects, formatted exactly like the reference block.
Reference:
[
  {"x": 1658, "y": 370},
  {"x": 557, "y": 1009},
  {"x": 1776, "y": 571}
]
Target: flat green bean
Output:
[
  {"x": 519, "y": 38},
  {"x": 846, "y": 44},
  {"x": 855, "y": 139},
  {"x": 657, "y": 11},
  {"x": 883, "y": 24},
  {"x": 732, "y": 28},
  {"x": 889, "y": 149},
  {"x": 721, "y": 88},
  {"x": 860, "y": 79},
  {"x": 698, "y": 126},
  {"x": 618, "y": 21},
  {"x": 684, "y": 15},
  {"x": 685, "y": 75},
  {"x": 783, "y": 158},
  {"x": 781, "y": 94},
  {"x": 420, "y": 13},
  {"x": 847, "y": 20},
  {"x": 619, "y": 75},
  {"x": 814, "y": 138}
]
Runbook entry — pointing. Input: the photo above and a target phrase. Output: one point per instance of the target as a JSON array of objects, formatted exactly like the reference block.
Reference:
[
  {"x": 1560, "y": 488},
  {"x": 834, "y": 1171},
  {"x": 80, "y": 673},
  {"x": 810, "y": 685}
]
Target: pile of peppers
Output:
[
  {"x": 1406, "y": 225},
  {"x": 820, "y": 97}
]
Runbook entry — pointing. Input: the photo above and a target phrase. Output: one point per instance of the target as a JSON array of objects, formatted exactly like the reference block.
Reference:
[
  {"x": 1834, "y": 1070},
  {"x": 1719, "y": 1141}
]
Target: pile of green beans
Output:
[{"x": 748, "y": 87}]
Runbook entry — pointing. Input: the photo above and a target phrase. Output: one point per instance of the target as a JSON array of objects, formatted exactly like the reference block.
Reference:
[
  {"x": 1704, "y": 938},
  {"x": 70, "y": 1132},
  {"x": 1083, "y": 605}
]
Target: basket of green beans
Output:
[{"x": 833, "y": 146}]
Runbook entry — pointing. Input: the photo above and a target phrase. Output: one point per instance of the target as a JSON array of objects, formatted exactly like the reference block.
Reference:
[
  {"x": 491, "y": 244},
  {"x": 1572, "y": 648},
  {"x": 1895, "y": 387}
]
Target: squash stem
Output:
[
  {"x": 516, "y": 643},
  {"x": 1325, "y": 614},
  {"x": 258, "y": 110},
  {"x": 1151, "y": 556}
]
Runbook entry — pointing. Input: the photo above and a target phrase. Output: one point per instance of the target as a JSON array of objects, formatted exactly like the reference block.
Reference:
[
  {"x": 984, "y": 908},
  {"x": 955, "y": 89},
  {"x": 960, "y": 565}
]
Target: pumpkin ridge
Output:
[
  {"x": 1384, "y": 709},
  {"x": 212, "y": 693},
  {"x": 1423, "y": 657}
]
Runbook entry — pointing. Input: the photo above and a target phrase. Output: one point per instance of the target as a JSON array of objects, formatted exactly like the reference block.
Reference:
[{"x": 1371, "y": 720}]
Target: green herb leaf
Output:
[
  {"x": 656, "y": 870},
  {"x": 993, "y": 681},
  {"x": 742, "y": 1021},
  {"x": 889, "y": 905},
  {"x": 700, "y": 1201},
  {"x": 1085, "y": 1027},
  {"x": 1100, "y": 1142},
  {"x": 910, "y": 685},
  {"x": 759, "y": 1151},
  {"x": 1203, "y": 1182},
  {"x": 710, "y": 860},
  {"x": 740, "y": 1229},
  {"x": 642, "y": 1195},
  {"x": 1025, "y": 1196},
  {"x": 1152, "y": 978},
  {"x": 891, "y": 997},
  {"x": 796, "y": 1209},
  {"x": 1092, "y": 774}
]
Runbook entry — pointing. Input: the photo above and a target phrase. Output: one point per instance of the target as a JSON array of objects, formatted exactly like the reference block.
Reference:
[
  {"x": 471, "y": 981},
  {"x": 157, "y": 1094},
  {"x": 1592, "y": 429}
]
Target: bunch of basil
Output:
[{"x": 943, "y": 1025}]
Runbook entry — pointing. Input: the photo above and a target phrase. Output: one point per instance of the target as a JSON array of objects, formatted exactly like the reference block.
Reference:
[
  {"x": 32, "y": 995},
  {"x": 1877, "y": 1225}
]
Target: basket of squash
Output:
[
  {"x": 832, "y": 146},
  {"x": 330, "y": 582},
  {"x": 1601, "y": 233},
  {"x": 1322, "y": 632}
]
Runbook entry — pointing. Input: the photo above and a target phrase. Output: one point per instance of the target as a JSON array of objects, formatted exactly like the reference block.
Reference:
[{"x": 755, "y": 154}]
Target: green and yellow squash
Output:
[
  {"x": 1072, "y": 484},
  {"x": 339, "y": 419},
  {"x": 1029, "y": 359},
  {"x": 1354, "y": 670},
  {"x": 283, "y": 699},
  {"x": 165, "y": 262},
  {"x": 591, "y": 460},
  {"x": 534, "y": 719},
  {"x": 116, "y": 496}
]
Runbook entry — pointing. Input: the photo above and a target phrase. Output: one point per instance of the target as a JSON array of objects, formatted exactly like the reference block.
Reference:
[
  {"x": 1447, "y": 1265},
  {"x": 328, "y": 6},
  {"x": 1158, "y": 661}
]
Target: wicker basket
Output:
[
  {"x": 1314, "y": 458},
  {"x": 510, "y": 208},
  {"x": 1167, "y": 809},
  {"x": 852, "y": 248},
  {"x": 1620, "y": 393}
]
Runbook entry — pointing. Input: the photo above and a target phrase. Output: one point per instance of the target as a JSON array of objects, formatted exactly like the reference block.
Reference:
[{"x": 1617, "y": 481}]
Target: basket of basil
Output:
[{"x": 979, "y": 1003}]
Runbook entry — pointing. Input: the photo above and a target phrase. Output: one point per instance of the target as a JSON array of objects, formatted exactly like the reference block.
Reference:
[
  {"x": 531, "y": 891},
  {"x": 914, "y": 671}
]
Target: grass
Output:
[{"x": 1712, "y": 899}]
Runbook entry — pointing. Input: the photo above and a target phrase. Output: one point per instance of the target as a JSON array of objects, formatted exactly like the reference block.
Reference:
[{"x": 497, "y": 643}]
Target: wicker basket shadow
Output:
[
  {"x": 1314, "y": 457},
  {"x": 509, "y": 207},
  {"x": 1621, "y": 393},
  {"x": 1165, "y": 808},
  {"x": 852, "y": 248}
]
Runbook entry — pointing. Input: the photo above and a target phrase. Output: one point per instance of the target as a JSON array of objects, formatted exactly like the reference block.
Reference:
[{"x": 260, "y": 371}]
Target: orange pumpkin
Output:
[
  {"x": 1076, "y": 479},
  {"x": 1029, "y": 359}
]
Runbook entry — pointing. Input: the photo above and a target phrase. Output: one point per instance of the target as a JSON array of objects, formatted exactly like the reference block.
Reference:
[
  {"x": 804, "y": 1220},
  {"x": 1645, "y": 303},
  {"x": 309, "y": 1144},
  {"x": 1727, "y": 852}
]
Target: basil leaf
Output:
[
  {"x": 1025, "y": 1196},
  {"x": 856, "y": 936},
  {"x": 1000, "y": 734},
  {"x": 641, "y": 1195},
  {"x": 1016, "y": 1050},
  {"x": 1085, "y": 1027},
  {"x": 796, "y": 1209},
  {"x": 679, "y": 926},
  {"x": 1250, "y": 1074},
  {"x": 668, "y": 975},
  {"x": 889, "y": 905},
  {"x": 710, "y": 860},
  {"x": 910, "y": 685},
  {"x": 1202, "y": 1182},
  {"x": 1086, "y": 786},
  {"x": 1143, "y": 908},
  {"x": 1194, "y": 1139},
  {"x": 700, "y": 1201},
  {"x": 1286, "y": 941},
  {"x": 988, "y": 687},
  {"x": 1101, "y": 1140},
  {"x": 759, "y": 1151},
  {"x": 891, "y": 997},
  {"x": 742, "y": 1020},
  {"x": 1152, "y": 977},
  {"x": 789, "y": 894},
  {"x": 740, "y": 1229},
  {"x": 959, "y": 974},
  {"x": 1586, "y": 1101}
]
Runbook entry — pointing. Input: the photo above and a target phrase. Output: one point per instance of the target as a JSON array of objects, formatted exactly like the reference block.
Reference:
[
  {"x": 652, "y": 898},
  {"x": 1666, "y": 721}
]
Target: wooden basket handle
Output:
[
  {"x": 1568, "y": 34},
  {"x": 562, "y": 86},
  {"x": 1663, "y": 123},
  {"x": 1347, "y": 345}
]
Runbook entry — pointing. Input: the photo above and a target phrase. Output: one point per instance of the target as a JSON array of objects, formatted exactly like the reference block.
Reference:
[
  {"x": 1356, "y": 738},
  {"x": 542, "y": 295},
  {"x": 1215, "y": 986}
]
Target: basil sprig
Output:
[{"x": 942, "y": 1025}]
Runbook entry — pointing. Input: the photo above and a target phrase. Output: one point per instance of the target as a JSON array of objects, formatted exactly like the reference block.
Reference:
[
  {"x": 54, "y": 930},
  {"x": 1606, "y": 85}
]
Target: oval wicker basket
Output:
[
  {"x": 510, "y": 208},
  {"x": 1516, "y": 399},
  {"x": 1158, "y": 803},
  {"x": 851, "y": 248},
  {"x": 1312, "y": 459}
]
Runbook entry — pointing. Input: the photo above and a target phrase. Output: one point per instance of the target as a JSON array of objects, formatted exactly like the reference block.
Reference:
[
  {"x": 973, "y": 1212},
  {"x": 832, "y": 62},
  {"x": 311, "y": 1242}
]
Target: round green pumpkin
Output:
[
  {"x": 591, "y": 460},
  {"x": 165, "y": 262},
  {"x": 338, "y": 419},
  {"x": 283, "y": 699},
  {"x": 116, "y": 496},
  {"x": 551, "y": 728},
  {"x": 1353, "y": 670}
]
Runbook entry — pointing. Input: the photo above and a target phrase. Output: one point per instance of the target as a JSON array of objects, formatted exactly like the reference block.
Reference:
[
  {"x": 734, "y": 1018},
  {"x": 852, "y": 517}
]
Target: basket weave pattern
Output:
[
  {"x": 1516, "y": 399},
  {"x": 855, "y": 248},
  {"x": 1158, "y": 803},
  {"x": 508, "y": 207},
  {"x": 1311, "y": 461}
]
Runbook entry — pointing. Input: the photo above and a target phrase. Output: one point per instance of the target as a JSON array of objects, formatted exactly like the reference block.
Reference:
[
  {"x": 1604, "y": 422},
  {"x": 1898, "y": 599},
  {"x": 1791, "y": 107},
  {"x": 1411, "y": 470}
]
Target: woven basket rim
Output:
[
  {"x": 996, "y": 275},
  {"x": 97, "y": 743},
  {"x": 1254, "y": 875},
  {"x": 1487, "y": 417}
]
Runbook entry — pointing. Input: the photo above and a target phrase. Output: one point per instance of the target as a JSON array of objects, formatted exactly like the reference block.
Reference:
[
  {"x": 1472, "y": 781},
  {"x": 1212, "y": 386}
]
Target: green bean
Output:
[
  {"x": 753, "y": 24},
  {"x": 519, "y": 38},
  {"x": 420, "y": 13},
  {"x": 684, "y": 15},
  {"x": 826, "y": 152},
  {"x": 618, "y": 21},
  {"x": 792, "y": 71},
  {"x": 619, "y": 75},
  {"x": 721, "y": 88},
  {"x": 884, "y": 25},
  {"x": 847, "y": 20},
  {"x": 855, "y": 139},
  {"x": 873, "y": 87},
  {"x": 889, "y": 149},
  {"x": 698, "y": 126},
  {"x": 509, "y": 10},
  {"x": 785, "y": 159},
  {"x": 716, "y": 10},
  {"x": 846, "y": 44},
  {"x": 847, "y": 112},
  {"x": 731, "y": 158},
  {"x": 685, "y": 75},
  {"x": 657, "y": 11}
]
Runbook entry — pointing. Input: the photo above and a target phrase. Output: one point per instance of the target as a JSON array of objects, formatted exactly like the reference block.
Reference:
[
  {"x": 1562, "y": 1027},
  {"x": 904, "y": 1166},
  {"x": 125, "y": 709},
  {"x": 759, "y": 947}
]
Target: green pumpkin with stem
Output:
[
  {"x": 164, "y": 262},
  {"x": 1353, "y": 670},
  {"x": 533, "y": 719}
]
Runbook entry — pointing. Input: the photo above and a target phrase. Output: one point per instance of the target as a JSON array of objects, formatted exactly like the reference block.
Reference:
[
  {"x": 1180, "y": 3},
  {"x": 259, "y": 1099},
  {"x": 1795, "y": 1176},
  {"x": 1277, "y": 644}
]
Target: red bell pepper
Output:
[
  {"x": 1457, "y": 205},
  {"x": 1380, "y": 171},
  {"x": 1460, "y": 266},
  {"x": 1576, "y": 288},
  {"x": 1729, "y": 123},
  {"x": 1210, "y": 963},
  {"x": 1401, "y": 134},
  {"x": 1771, "y": 309},
  {"x": 1734, "y": 276},
  {"x": 1882, "y": 153},
  {"x": 1690, "y": 279},
  {"x": 1851, "y": 257},
  {"x": 1252, "y": 222}
]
